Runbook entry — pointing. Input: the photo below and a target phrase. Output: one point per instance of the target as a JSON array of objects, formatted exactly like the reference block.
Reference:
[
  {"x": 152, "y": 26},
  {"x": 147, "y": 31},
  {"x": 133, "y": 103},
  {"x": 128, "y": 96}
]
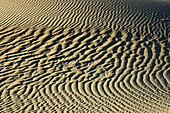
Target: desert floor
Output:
[{"x": 84, "y": 56}]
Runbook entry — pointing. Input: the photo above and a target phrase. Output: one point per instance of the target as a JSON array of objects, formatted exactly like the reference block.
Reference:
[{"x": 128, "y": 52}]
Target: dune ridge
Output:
[{"x": 84, "y": 56}]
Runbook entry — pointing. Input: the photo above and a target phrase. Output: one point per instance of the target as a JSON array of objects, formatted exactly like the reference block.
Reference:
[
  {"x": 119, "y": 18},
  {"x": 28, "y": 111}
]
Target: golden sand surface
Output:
[{"x": 84, "y": 56}]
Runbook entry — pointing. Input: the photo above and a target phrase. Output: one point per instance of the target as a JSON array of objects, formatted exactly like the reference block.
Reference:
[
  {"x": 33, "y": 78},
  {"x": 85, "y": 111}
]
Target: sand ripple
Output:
[
  {"x": 70, "y": 69},
  {"x": 103, "y": 56}
]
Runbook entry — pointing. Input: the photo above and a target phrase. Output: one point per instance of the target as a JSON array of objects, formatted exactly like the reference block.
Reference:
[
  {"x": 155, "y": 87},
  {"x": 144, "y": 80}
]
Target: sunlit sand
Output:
[{"x": 92, "y": 56}]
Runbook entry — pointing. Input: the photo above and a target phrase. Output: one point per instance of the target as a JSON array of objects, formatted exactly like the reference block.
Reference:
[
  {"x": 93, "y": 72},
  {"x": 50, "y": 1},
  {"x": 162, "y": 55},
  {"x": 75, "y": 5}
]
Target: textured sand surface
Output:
[{"x": 92, "y": 56}]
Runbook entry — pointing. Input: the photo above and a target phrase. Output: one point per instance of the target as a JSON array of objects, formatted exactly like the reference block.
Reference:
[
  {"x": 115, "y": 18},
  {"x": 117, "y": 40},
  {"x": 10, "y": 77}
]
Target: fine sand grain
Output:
[{"x": 85, "y": 56}]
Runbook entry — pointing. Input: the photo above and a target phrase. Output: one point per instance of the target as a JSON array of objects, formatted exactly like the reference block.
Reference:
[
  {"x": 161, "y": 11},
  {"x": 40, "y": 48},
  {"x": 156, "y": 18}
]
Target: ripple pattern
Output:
[
  {"x": 146, "y": 17},
  {"x": 82, "y": 70}
]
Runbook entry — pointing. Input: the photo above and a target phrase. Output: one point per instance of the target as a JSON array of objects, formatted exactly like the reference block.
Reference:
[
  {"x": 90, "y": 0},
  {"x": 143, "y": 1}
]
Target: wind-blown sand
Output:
[{"x": 94, "y": 56}]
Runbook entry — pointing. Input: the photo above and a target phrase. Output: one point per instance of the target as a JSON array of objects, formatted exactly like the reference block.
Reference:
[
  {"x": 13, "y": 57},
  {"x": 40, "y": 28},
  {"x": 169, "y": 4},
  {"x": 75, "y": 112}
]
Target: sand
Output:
[{"x": 84, "y": 56}]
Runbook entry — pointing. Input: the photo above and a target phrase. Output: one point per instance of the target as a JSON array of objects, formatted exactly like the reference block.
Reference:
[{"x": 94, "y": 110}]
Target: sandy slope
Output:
[{"x": 84, "y": 56}]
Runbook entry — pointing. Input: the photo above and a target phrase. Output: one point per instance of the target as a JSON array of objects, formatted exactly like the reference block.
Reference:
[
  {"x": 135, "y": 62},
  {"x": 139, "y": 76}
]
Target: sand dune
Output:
[{"x": 89, "y": 56}]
